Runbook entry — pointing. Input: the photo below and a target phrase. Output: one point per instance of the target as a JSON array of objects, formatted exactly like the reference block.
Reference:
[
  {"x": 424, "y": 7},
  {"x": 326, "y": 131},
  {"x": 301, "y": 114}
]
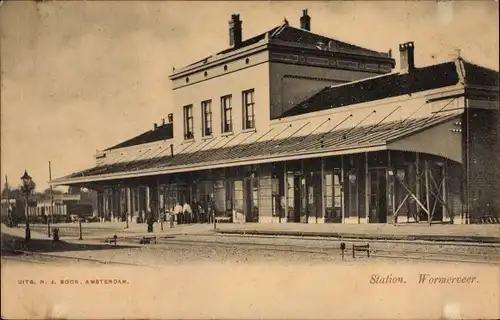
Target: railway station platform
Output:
[
  {"x": 472, "y": 233},
  {"x": 409, "y": 232}
]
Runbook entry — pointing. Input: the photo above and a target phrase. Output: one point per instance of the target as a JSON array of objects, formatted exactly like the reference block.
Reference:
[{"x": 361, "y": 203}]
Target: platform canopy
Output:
[{"x": 432, "y": 135}]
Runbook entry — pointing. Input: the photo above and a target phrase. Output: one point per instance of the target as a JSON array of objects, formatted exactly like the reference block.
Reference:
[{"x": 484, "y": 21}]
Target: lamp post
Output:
[{"x": 27, "y": 187}]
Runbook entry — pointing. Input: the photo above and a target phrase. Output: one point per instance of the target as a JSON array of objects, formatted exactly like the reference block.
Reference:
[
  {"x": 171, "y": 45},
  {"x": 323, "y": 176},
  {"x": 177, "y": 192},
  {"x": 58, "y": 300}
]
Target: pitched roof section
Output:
[
  {"x": 313, "y": 145},
  {"x": 291, "y": 34},
  {"x": 395, "y": 84},
  {"x": 297, "y": 36},
  {"x": 379, "y": 87},
  {"x": 163, "y": 132},
  {"x": 478, "y": 75}
]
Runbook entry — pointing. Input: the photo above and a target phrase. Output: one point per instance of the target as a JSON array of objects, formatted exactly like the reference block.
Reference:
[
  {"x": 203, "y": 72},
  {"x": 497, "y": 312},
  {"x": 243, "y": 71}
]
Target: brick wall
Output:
[{"x": 483, "y": 163}]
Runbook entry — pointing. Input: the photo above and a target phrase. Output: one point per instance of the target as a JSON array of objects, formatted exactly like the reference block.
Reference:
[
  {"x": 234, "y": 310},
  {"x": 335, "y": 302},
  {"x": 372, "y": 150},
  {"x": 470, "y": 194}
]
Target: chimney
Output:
[
  {"x": 305, "y": 21},
  {"x": 155, "y": 126},
  {"x": 407, "y": 56},
  {"x": 163, "y": 121},
  {"x": 235, "y": 31}
]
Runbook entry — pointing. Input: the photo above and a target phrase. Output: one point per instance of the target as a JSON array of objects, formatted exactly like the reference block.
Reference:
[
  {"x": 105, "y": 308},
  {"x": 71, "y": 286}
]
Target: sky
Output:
[{"x": 81, "y": 76}]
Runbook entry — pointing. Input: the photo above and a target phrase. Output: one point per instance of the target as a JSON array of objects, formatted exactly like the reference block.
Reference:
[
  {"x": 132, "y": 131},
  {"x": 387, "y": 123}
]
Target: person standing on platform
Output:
[
  {"x": 188, "y": 212},
  {"x": 171, "y": 218},
  {"x": 195, "y": 212},
  {"x": 201, "y": 212},
  {"x": 178, "y": 213},
  {"x": 210, "y": 210}
]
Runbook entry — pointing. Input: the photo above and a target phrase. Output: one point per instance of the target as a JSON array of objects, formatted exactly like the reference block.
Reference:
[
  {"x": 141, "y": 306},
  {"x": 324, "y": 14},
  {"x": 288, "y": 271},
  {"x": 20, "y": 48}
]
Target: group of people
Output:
[{"x": 187, "y": 214}]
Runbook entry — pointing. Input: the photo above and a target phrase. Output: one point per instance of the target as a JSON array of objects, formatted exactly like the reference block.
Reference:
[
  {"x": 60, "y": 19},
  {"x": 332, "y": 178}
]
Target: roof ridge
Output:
[
  {"x": 387, "y": 74},
  {"x": 331, "y": 38},
  {"x": 363, "y": 79},
  {"x": 279, "y": 29}
]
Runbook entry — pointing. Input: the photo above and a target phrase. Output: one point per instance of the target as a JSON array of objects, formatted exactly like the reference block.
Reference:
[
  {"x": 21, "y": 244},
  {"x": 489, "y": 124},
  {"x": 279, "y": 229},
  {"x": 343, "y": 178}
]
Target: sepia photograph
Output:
[{"x": 250, "y": 159}]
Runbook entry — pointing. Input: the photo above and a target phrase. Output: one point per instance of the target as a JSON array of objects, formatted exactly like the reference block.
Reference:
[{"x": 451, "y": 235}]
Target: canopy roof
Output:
[{"x": 204, "y": 155}]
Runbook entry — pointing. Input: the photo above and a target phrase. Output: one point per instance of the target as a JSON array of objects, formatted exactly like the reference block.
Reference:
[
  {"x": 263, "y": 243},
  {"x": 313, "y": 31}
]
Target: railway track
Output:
[
  {"x": 374, "y": 251},
  {"x": 334, "y": 251}
]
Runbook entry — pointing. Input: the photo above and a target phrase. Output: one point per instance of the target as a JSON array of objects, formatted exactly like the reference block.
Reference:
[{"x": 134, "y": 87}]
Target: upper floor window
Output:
[
  {"x": 248, "y": 110},
  {"x": 226, "y": 110},
  {"x": 188, "y": 122},
  {"x": 206, "y": 115}
]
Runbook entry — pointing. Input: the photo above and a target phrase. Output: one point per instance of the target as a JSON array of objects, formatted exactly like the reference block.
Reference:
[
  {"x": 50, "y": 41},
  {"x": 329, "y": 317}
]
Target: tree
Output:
[
  {"x": 9, "y": 192},
  {"x": 45, "y": 195}
]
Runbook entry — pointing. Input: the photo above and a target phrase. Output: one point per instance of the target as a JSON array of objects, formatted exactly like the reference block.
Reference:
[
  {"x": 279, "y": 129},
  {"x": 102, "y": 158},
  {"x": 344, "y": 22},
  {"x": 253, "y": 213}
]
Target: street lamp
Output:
[{"x": 26, "y": 188}]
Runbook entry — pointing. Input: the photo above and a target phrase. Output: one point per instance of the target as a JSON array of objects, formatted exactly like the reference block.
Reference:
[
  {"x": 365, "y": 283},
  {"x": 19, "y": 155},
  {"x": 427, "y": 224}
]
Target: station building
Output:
[{"x": 291, "y": 126}]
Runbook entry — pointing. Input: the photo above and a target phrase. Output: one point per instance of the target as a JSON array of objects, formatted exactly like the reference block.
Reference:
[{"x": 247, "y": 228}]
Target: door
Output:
[
  {"x": 300, "y": 198},
  {"x": 296, "y": 198},
  {"x": 333, "y": 194},
  {"x": 378, "y": 196},
  {"x": 303, "y": 198},
  {"x": 251, "y": 200}
]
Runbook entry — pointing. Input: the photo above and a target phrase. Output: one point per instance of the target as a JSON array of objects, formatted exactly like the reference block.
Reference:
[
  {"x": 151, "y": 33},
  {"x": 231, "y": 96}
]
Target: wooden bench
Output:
[
  {"x": 146, "y": 240},
  {"x": 223, "y": 219},
  {"x": 360, "y": 248},
  {"x": 112, "y": 239}
]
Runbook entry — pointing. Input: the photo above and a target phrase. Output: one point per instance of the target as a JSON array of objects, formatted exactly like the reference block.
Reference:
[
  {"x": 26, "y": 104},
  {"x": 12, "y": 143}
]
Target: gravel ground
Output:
[{"x": 196, "y": 249}]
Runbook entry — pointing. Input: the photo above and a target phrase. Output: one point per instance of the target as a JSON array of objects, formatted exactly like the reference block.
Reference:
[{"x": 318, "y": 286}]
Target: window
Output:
[
  {"x": 206, "y": 116},
  {"x": 227, "y": 124},
  {"x": 188, "y": 122},
  {"x": 248, "y": 110}
]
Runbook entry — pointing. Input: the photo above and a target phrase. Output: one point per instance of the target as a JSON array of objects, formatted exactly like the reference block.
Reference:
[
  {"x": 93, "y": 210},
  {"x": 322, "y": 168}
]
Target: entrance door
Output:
[
  {"x": 304, "y": 200},
  {"x": 300, "y": 199},
  {"x": 251, "y": 200},
  {"x": 333, "y": 194},
  {"x": 378, "y": 195},
  {"x": 297, "y": 201}
]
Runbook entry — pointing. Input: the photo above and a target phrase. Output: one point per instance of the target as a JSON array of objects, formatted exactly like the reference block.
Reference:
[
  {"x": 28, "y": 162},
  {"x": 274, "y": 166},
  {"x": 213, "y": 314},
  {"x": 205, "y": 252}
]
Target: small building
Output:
[
  {"x": 292, "y": 126},
  {"x": 64, "y": 205},
  {"x": 17, "y": 208}
]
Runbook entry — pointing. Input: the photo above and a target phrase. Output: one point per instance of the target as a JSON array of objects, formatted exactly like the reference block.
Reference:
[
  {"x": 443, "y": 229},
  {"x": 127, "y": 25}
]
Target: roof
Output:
[
  {"x": 310, "y": 145},
  {"x": 287, "y": 33},
  {"x": 394, "y": 84},
  {"x": 478, "y": 75},
  {"x": 163, "y": 132},
  {"x": 250, "y": 41}
]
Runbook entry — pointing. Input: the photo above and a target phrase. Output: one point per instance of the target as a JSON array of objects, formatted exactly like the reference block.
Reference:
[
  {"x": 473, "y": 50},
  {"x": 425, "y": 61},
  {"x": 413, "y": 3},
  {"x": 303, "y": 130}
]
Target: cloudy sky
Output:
[{"x": 77, "y": 76}]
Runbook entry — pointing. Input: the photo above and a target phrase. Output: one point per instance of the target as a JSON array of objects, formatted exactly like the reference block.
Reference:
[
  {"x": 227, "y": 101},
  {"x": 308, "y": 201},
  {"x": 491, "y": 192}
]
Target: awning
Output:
[{"x": 431, "y": 135}]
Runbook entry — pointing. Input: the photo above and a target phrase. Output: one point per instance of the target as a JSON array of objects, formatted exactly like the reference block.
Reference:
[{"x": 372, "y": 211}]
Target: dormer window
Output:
[{"x": 188, "y": 122}]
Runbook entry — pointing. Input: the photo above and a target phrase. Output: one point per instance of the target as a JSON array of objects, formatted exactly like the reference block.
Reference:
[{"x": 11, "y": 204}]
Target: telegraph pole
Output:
[
  {"x": 51, "y": 201},
  {"x": 7, "y": 191}
]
